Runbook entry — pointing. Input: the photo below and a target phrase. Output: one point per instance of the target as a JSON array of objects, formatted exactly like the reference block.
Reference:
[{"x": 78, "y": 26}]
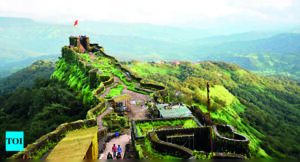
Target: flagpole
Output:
[{"x": 74, "y": 28}]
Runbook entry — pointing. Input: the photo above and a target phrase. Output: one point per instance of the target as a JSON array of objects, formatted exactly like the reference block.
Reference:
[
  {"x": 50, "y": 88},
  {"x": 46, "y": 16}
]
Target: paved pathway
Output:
[{"x": 121, "y": 140}]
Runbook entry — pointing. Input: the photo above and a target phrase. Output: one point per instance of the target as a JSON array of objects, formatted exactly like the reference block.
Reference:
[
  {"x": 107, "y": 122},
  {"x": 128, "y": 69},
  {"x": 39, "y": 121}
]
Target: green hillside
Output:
[
  {"x": 39, "y": 110},
  {"x": 26, "y": 76},
  {"x": 266, "y": 109}
]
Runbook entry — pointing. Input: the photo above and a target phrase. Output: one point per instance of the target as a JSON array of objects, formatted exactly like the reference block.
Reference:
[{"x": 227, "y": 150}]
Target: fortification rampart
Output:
[
  {"x": 54, "y": 137},
  {"x": 135, "y": 122},
  {"x": 200, "y": 115},
  {"x": 200, "y": 142},
  {"x": 238, "y": 144},
  {"x": 169, "y": 148},
  {"x": 160, "y": 91}
]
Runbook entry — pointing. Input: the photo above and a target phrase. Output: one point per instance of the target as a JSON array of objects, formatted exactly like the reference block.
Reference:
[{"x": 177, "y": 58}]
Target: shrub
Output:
[{"x": 123, "y": 121}]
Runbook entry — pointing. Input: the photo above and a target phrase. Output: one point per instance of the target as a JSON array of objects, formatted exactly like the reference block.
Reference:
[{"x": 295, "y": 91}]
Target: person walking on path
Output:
[
  {"x": 119, "y": 156},
  {"x": 114, "y": 149},
  {"x": 119, "y": 149},
  {"x": 109, "y": 156}
]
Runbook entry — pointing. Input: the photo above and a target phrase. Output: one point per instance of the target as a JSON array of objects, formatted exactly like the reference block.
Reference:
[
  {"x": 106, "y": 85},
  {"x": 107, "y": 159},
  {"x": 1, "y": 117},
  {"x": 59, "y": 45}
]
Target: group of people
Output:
[{"x": 116, "y": 153}]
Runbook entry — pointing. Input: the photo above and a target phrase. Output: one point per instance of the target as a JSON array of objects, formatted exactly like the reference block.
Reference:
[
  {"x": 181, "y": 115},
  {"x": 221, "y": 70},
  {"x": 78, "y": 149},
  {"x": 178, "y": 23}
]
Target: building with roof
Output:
[
  {"x": 175, "y": 62},
  {"x": 167, "y": 110}
]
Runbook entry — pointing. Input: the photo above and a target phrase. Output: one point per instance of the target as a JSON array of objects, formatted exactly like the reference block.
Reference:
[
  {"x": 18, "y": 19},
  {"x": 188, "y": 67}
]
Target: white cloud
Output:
[{"x": 155, "y": 11}]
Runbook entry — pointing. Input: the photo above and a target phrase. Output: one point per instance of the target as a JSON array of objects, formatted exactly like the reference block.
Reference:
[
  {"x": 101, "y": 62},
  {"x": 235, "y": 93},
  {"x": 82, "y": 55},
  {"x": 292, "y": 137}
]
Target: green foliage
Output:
[
  {"x": 189, "y": 124},
  {"x": 149, "y": 153},
  {"x": 265, "y": 108},
  {"x": 40, "y": 153},
  {"x": 26, "y": 76},
  {"x": 139, "y": 131},
  {"x": 116, "y": 91},
  {"x": 139, "y": 150},
  {"x": 39, "y": 110},
  {"x": 200, "y": 155},
  {"x": 145, "y": 127},
  {"x": 76, "y": 78},
  {"x": 123, "y": 121},
  {"x": 115, "y": 122}
]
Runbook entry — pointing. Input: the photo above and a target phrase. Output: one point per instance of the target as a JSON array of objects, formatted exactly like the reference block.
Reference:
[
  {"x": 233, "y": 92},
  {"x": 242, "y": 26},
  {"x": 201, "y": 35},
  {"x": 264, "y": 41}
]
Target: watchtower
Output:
[{"x": 81, "y": 42}]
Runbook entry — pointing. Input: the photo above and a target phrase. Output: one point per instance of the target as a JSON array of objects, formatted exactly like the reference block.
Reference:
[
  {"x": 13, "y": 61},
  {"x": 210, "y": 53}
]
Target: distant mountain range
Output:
[
  {"x": 279, "y": 54},
  {"x": 267, "y": 52}
]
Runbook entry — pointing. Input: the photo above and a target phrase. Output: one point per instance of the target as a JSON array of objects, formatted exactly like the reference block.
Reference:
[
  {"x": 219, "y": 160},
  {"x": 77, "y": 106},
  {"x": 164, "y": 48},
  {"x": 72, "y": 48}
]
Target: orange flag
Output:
[{"x": 76, "y": 23}]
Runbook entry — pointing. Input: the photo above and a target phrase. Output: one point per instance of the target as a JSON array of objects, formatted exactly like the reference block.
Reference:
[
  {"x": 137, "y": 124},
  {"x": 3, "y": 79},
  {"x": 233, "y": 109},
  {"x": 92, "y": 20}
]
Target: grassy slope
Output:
[
  {"x": 225, "y": 78},
  {"x": 116, "y": 91},
  {"x": 75, "y": 78}
]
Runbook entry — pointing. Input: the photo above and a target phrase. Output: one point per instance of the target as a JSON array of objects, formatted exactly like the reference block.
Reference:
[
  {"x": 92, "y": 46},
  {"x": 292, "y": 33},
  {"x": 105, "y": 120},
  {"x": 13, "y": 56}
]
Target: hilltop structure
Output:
[
  {"x": 170, "y": 110},
  {"x": 102, "y": 79},
  {"x": 81, "y": 44}
]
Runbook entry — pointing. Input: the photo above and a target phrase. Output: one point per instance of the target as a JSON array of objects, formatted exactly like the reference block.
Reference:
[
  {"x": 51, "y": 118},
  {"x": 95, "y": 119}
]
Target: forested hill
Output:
[
  {"x": 26, "y": 76},
  {"x": 38, "y": 110},
  {"x": 266, "y": 109}
]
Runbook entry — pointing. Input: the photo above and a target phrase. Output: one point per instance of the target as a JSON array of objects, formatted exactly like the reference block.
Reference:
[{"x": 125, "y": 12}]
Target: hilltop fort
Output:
[{"x": 134, "y": 108}]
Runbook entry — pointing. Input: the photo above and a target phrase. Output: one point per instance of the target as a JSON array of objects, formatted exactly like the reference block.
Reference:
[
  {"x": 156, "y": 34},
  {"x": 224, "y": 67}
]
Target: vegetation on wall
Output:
[
  {"x": 145, "y": 127},
  {"x": 77, "y": 75}
]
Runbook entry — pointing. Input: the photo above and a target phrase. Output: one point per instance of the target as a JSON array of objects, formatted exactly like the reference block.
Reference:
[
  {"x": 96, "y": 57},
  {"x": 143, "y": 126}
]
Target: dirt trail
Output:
[
  {"x": 138, "y": 110},
  {"x": 108, "y": 110}
]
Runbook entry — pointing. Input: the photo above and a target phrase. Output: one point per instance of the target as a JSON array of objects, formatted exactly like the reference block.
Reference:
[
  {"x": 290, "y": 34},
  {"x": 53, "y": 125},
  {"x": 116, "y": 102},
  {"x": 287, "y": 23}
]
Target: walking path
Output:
[
  {"x": 121, "y": 140},
  {"x": 108, "y": 110},
  {"x": 138, "y": 111}
]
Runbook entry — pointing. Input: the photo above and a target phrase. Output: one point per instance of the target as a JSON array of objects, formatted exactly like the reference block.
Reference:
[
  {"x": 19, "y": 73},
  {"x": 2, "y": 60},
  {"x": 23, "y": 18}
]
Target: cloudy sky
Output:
[{"x": 160, "y": 12}]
